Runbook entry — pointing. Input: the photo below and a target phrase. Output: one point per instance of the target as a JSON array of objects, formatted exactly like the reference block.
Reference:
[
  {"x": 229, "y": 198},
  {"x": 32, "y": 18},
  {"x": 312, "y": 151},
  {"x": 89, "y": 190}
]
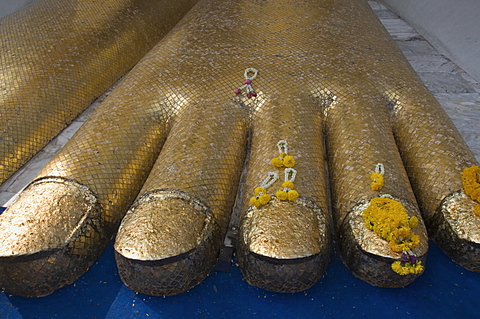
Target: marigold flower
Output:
[
  {"x": 407, "y": 268},
  {"x": 281, "y": 195},
  {"x": 288, "y": 161},
  {"x": 287, "y": 184},
  {"x": 261, "y": 197},
  {"x": 384, "y": 230},
  {"x": 264, "y": 199},
  {"x": 413, "y": 222},
  {"x": 277, "y": 162},
  {"x": 292, "y": 195},
  {"x": 389, "y": 220},
  {"x": 259, "y": 190},
  {"x": 477, "y": 209},
  {"x": 386, "y": 211},
  {"x": 471, "y": 182},
  {"x": 475, "y": 194},
  {"x": 404, "y": 239},
  {"x": 377, "y": 181}
]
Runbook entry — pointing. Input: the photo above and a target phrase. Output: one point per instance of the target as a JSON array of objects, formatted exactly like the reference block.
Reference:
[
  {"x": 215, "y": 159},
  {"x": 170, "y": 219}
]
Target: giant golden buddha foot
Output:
[
  {"x": 62, "y": 221},
  {"x": 380, "y": 231},
  {"x": 300, "y": 68},
  {"x": 170, "y": 238},
  {"x": 57, "y": 56},
  {"x": 444, "y": 174},
  {"x": 285, "y": 239}
]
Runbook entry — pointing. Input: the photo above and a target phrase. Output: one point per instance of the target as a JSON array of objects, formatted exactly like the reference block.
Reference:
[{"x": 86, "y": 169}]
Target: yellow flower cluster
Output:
[
  {"x": 261, "y": 197},
  {"x": 283, "y": 160},
  {"x": 471, "y": 185},
  {"x": 377, "y": 181},
  {"x": 407, "y": 268},
  {"x": 389, "y": 220},
  {"x": 288, "y": 193}
]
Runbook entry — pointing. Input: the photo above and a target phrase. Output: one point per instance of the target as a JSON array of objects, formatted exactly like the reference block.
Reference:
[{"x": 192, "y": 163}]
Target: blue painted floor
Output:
[{"x": 445, "y": 290}]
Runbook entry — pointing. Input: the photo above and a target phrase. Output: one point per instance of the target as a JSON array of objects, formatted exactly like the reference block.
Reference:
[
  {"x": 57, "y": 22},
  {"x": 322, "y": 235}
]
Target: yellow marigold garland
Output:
[
  {"x": 281, "y": 195},
  {"x": 291, "y": 195},
  {"x": 278, "y": 161},
  {"x": 404, "y": 240},
  {"x": 283, "y": 159},
  {"x": 377, "y": 178},
  {"x": 407, "y": 268},
  {"x": 377, "y": 181},
  {"x": 287, "y": 193},
  {"x": 261, "y": 197},
  {"x": 287, "y": 184},
  {"x": 389, "y": 220},
  {"x": 288, "y": 161},
  {"x": 471, "y": 185}
]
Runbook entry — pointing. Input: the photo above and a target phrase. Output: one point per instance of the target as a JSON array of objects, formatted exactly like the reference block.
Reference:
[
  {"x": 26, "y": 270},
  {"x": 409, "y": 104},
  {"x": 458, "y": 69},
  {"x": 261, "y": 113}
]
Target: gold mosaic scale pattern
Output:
[
  {"x": 435, "y": 155},
  {"x": 105, "y": 153},
  {"x": 285, "y": 246},
  {"x": 57, "y": 56},
  {"x": 203, "y": 58},
  {"x": 111, "y": 167},
  {"x": 43, "y": 252},
  {"x": 170, "y": 239},
  {"x": 359, "y": 137}
]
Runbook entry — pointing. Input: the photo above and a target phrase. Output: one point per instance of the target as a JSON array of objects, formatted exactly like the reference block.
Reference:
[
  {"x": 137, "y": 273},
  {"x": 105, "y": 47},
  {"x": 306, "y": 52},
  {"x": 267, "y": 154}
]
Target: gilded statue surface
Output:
[{"x": 303, "y": 113}]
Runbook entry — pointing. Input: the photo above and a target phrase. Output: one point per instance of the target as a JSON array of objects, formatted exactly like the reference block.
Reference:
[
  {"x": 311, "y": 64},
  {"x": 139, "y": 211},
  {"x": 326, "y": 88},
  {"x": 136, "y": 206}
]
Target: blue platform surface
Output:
[{"x": 445, "y": 290}]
